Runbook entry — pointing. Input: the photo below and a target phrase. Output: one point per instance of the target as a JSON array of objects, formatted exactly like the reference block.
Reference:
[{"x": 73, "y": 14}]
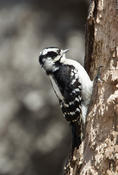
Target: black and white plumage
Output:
[{"x": 72, "y": 86}]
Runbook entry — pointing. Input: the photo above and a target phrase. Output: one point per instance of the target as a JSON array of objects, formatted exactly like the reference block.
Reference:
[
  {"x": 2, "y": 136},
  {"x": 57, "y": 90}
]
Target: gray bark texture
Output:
[{"x": 98, "y": 154}]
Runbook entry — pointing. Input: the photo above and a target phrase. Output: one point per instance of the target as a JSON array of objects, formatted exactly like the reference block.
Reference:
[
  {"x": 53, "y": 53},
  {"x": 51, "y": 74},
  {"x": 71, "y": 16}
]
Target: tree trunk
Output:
[{"x": 98, "y": 154}]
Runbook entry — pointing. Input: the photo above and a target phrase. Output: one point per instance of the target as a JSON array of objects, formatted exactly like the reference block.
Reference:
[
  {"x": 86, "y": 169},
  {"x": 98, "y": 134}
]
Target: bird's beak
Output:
[{"x": 64, "y": 51}]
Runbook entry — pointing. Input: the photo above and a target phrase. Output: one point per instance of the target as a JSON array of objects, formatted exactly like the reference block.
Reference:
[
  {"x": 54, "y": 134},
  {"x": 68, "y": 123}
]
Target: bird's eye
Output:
[{"x": 52, "y": 54}]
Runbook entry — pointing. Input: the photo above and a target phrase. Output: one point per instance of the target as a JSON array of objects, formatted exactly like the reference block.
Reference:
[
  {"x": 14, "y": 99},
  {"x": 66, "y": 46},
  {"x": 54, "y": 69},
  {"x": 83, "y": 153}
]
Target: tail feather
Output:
[{"x": 77, "y": 134}]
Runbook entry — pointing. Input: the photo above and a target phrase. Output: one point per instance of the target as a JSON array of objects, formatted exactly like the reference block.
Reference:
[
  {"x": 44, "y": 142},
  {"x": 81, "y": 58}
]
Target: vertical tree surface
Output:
[{"x": 98, "y": 154}]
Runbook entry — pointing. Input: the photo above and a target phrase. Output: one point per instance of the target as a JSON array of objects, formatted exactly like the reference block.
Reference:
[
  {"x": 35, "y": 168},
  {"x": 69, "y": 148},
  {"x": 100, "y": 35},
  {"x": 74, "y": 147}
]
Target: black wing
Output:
[{"x": 70, "y": 87}]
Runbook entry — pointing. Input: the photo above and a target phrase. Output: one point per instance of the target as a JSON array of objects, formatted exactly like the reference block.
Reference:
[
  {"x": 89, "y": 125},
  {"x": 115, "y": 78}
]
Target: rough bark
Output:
[{"x": 98, "y": 154}]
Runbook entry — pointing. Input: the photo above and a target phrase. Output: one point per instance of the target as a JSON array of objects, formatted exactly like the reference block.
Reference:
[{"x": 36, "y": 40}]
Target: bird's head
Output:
[{"x": 50, "y": 58}]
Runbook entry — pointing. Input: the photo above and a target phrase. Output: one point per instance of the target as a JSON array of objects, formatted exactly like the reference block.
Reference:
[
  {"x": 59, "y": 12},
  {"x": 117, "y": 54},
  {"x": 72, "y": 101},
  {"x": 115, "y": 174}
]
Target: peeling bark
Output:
[{"x": 99, "y": 153}]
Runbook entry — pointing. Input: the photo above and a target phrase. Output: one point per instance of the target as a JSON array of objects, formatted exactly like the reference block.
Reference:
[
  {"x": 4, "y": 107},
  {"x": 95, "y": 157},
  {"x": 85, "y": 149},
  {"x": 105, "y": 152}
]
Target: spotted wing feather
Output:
[{"x": 70, "y": 88}]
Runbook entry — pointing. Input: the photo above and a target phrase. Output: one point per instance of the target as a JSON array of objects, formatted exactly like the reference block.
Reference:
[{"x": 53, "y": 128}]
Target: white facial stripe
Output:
[{"x": 48, "y": 64}]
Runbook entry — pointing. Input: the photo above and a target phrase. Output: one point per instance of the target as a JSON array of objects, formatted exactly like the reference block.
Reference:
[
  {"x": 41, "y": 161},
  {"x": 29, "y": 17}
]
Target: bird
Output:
[{"x": 72, "y": 86}]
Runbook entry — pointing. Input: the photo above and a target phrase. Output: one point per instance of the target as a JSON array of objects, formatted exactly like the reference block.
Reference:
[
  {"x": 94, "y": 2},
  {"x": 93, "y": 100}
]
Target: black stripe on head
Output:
[
  {"x": 53, "y": 51},
  {"x": 51, "y": 54}
]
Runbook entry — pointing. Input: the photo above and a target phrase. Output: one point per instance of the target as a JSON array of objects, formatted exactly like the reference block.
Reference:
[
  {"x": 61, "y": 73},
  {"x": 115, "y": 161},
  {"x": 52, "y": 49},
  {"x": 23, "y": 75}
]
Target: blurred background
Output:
[{"x": 35, "y": 139}]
